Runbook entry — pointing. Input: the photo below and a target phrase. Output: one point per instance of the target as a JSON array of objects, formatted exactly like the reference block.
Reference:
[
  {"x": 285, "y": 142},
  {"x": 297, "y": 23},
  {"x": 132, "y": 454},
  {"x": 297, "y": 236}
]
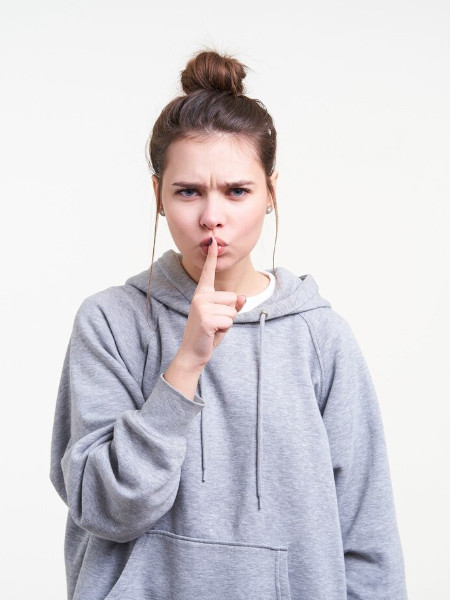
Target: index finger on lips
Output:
[{"x": 207, "y": 276}]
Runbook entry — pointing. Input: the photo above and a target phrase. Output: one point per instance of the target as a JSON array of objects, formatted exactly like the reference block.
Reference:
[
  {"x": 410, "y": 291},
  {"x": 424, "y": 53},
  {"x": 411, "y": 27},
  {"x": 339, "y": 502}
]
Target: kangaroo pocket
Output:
[{"x": 166, "y": 566}]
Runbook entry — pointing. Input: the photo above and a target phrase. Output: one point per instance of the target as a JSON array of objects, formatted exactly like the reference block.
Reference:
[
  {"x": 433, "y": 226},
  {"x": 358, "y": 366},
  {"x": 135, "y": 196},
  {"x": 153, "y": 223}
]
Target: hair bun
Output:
[{"x": 212, "y": 71}]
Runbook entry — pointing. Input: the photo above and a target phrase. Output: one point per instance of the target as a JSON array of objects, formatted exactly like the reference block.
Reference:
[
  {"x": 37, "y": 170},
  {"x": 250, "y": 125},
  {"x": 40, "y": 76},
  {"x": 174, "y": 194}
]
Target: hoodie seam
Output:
[
  {"x": 108, "y": 325},
  {"x": 318, "y": 356},
  {"x": 154, "y": 325},
  {"x": 151, "y": 331}
]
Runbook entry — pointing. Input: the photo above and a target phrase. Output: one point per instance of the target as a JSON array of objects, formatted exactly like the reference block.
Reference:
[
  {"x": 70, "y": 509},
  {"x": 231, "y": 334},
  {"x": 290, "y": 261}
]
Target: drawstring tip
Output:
[
  {"x": 259, "y": 502},
  {"x": 203, "y": 475}
]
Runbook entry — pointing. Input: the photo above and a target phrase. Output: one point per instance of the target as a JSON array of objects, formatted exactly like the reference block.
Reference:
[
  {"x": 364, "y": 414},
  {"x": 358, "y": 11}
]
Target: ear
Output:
[
  {"x": 274, "y": 179},
  {"x": 155, "y": 181}
]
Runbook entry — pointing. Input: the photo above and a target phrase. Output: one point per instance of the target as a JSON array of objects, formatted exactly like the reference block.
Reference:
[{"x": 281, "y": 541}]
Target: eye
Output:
[
  {"x": 245, "y": 190},
  {"x": 185, "y": 190}
]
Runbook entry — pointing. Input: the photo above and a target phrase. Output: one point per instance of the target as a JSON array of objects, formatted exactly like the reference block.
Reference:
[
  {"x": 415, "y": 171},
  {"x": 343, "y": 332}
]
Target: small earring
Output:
[
  {"x": 161, "y": 212},
  {"x": 269, "y": 209}
]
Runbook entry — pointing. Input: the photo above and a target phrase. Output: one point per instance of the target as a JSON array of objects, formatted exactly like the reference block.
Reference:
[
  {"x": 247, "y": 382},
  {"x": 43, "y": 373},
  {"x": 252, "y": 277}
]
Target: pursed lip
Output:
[{"x": 219, "y": 241}]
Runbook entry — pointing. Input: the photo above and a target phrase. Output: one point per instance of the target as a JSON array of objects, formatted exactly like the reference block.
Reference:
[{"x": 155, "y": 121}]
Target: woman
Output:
[{"x": 217, "y": 433}]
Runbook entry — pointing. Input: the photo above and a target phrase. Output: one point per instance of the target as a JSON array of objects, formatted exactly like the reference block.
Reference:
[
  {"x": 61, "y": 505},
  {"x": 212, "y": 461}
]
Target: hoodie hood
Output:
[{"x": 172, "y": 286}]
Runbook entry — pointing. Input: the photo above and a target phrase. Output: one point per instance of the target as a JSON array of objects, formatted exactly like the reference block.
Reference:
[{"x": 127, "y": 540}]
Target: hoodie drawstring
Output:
[
  {"x": 202, "y": 438},
  {"x": 259, "y": 447}
]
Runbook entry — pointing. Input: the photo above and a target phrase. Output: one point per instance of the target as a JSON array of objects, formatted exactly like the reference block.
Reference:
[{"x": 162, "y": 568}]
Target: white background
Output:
[{"x": 360, "y": 95}]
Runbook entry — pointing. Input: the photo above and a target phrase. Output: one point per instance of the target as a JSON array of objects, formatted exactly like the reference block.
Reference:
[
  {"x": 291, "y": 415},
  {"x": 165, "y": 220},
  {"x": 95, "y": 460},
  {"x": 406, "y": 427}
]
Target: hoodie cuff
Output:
[{"x": 168, "y": 411}]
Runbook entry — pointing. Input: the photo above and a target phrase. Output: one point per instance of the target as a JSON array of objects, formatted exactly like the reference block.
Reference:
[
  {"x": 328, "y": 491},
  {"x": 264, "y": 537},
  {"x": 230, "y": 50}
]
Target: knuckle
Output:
[{"x": 198, "y": 298}]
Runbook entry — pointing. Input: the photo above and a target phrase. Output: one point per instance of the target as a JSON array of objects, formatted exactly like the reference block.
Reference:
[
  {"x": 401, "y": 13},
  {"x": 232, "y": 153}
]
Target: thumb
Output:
[{"x": 241, "y": 300}]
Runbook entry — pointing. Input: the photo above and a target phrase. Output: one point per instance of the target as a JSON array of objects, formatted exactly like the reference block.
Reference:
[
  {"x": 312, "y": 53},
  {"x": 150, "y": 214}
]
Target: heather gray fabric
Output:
[{"x": 273, "y": 483}]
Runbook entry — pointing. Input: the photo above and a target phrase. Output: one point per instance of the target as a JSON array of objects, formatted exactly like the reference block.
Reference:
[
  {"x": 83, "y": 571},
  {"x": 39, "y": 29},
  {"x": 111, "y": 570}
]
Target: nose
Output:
[{"x": 213, "y": 213}]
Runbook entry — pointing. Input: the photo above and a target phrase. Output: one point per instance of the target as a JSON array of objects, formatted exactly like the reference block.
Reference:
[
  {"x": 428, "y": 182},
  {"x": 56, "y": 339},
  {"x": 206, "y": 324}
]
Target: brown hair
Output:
[{"x": 213, "y": 102}]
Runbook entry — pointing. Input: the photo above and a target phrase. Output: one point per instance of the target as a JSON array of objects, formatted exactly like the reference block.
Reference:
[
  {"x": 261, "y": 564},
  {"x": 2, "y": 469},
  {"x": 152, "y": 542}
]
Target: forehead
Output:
[{"x": 213, "y": 152}]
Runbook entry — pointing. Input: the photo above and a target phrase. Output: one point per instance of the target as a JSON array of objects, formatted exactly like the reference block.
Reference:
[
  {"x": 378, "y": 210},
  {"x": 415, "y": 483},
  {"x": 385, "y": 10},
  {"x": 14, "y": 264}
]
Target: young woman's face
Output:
[{"x": 214, "y": 186}]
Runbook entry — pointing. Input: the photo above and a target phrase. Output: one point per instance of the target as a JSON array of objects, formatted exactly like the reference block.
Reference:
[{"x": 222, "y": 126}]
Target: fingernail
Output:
[{"x": 210, "y": 241}]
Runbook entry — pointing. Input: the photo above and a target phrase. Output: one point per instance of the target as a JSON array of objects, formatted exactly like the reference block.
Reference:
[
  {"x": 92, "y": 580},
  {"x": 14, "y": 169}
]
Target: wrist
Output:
[
  {"x": 183, "y": 375},
  {"x": 184, "y": 361}
]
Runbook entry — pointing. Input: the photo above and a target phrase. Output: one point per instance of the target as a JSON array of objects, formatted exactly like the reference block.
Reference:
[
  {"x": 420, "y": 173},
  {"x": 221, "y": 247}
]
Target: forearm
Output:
[
  {"x": 183, "y": 375},
  {"x": 121, "y": 478}
]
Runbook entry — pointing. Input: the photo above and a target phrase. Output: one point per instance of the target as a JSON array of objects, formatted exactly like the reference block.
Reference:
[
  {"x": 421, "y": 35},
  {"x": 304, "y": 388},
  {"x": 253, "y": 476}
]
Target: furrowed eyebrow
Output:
[{"x": 227, "y": 184}]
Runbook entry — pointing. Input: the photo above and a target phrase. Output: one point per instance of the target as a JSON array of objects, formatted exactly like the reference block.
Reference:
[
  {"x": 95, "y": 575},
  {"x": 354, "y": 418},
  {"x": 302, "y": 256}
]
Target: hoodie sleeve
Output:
[
  {"x": 116, "y": 456},
  {"x": 351, "y": 414}
]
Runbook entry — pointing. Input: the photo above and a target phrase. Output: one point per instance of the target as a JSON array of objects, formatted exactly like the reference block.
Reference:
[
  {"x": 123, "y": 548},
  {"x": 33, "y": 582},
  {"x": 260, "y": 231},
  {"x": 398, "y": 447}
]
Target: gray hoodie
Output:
[{"x": 273, "y": 483}]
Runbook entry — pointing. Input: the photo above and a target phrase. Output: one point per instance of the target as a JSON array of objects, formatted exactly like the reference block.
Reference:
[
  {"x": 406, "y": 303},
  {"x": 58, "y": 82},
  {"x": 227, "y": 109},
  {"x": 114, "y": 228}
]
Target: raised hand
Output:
[{"x": 211, "y": 314}]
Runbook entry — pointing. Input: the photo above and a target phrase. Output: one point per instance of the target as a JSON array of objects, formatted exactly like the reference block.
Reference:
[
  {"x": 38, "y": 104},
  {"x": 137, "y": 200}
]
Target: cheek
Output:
[
  {"x": 177, "y": 222},
  {"x": 251, "y": 223},
  {"x": 177, "y": 231}
]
